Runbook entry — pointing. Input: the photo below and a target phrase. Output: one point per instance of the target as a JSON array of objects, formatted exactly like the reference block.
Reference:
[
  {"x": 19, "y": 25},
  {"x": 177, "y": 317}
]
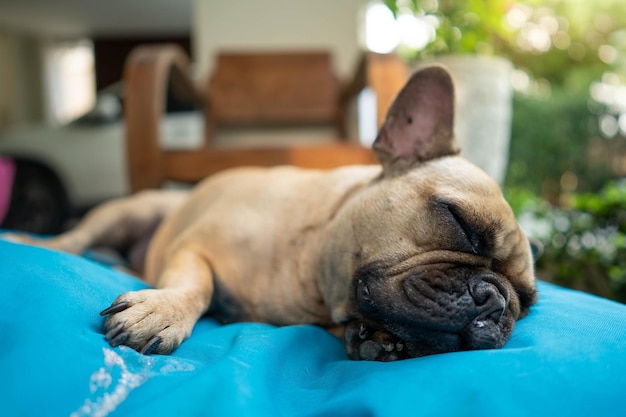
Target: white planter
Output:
[{"x": 483, "y": 109}]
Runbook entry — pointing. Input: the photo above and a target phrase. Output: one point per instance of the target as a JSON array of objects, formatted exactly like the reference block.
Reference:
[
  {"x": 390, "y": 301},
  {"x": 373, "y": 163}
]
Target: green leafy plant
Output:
[
  {"x": 472, "y": 26},
  {"x": 584, "y": 247},
  {"x": 553, "y": 140}
]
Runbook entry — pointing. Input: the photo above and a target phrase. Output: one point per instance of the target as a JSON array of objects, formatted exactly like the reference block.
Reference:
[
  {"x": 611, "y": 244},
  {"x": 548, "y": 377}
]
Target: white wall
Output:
[
  {"x": 277, "y": 24},
  {"x": 20, "y": 79},
  {"x": 7, "y": 81}
]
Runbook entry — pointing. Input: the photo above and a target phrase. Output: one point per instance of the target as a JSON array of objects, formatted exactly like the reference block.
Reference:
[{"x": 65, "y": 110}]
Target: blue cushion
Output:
[{"x": 567, "y": 358}]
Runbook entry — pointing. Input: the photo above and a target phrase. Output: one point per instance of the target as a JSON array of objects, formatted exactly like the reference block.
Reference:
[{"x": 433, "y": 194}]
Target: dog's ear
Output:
[{"x": 419, "y": 123}]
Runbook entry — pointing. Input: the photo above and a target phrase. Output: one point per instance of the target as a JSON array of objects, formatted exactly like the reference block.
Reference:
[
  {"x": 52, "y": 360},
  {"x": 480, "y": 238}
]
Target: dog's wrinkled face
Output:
[
  {"x": 444, "y": 266},
  {"x": 454, "y": 275}
]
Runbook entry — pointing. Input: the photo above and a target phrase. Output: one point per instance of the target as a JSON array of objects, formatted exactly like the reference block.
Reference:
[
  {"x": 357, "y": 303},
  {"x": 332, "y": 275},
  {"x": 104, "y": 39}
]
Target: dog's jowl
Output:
[{"x": 416, "y": 256}]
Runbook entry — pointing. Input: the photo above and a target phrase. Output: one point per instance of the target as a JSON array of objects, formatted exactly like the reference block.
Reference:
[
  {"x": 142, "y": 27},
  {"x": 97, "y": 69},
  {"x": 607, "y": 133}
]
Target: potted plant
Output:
[{"x": 466, "y": 37}]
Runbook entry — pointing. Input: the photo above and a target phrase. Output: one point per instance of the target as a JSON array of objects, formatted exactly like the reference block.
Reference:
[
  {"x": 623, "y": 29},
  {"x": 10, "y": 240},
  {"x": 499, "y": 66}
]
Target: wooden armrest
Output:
[{"x": 148, "y": 73}]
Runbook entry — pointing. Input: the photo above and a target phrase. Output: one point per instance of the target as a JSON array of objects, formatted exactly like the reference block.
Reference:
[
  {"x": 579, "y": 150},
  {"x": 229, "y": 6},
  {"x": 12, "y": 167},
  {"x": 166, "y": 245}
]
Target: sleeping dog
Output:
[{"x": 416, "y": 256}]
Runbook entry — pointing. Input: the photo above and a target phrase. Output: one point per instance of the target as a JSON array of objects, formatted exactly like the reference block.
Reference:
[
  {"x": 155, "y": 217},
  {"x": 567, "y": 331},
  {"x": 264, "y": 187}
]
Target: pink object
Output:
[{"x": 7, "y": 174}]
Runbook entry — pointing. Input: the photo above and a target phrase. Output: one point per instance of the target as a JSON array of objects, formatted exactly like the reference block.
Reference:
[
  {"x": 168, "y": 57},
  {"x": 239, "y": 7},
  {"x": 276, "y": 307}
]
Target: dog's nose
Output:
[{"x": 490, "y": 296}]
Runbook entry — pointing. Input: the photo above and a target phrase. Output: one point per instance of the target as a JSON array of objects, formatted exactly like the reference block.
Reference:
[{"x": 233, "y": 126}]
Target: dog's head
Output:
[{"x": 440, "y": 262}]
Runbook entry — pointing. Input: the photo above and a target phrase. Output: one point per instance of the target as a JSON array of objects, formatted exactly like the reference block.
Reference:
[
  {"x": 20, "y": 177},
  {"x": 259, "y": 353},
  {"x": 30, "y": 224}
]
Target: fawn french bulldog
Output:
[{"x": 417, "y": 256}]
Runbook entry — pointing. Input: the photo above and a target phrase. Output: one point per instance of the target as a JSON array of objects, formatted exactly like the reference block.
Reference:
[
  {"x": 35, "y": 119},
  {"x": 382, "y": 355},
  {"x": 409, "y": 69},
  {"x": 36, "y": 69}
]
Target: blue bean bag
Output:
[{"x": 567, "y": 358}]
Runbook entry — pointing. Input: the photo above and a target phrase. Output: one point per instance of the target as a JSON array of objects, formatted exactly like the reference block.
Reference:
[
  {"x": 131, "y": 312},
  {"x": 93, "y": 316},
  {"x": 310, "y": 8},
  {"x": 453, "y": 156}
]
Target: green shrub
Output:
[
  {"x": 583, "y": 247},
  {"x": 550, "y": 138}
]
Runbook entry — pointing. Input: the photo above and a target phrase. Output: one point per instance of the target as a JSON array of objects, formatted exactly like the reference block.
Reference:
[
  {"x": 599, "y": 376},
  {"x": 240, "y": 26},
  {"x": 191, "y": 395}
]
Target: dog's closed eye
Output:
[{"x": 472, "y": 241}]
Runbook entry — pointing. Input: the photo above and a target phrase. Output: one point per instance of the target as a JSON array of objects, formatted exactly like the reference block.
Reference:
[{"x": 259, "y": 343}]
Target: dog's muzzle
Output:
[{"x": 437, "y": 310}]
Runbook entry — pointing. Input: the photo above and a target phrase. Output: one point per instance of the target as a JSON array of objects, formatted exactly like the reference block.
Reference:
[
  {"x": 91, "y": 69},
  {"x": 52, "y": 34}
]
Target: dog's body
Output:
[{"x": 420, "y": 255}]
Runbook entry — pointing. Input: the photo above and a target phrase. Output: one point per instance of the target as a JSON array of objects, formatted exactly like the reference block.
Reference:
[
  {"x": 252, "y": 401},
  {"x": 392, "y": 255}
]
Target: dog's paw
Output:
[
  {"x": 363, "y": 342},
  {"x": 149, "y": 321}
]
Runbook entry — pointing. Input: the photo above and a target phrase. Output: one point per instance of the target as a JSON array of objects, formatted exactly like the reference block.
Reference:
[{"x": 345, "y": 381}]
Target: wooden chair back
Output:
[{"x": 273, "y": 88}]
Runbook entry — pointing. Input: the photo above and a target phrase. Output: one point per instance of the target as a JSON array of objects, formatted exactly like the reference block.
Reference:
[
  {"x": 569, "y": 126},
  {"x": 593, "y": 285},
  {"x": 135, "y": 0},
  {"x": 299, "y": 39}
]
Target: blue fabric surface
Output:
[{"x": 567, "y": 358}]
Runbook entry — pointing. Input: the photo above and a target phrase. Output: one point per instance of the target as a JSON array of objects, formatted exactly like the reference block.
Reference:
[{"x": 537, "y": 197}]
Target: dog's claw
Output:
[
  {"x": 151, "y": 345},
  {"x": 112, "y": 333},
  {"x": 120, "y": 339},
  {"x": 364, "y": 332},
  {"x": 115, "y": 308}
]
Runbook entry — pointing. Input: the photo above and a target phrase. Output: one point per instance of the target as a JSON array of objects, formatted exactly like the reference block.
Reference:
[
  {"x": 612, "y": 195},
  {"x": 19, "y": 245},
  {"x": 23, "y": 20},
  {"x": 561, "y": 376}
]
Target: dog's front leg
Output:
[
  {"x": 115, "y": 223},
  {"x": 159, "y": 320}
]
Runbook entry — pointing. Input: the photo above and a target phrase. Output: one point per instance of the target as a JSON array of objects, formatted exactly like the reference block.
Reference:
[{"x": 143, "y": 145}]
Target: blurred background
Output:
[{"x": 559, "y": 114}]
